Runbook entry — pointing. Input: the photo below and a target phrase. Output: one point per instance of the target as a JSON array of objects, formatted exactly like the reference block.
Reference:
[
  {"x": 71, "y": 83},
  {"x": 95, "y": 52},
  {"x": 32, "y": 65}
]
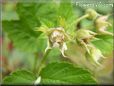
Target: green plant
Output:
[{"x": 38, "y": 27}]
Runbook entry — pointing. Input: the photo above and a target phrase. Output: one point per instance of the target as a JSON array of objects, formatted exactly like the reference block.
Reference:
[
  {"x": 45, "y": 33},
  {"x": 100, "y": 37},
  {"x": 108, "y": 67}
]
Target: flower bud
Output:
[
  {"x": 102, "y": 24},
  {"x": 92, "y": 14},
  {"x": 95, "y": 54},
  {"x": 84, "y": 35}
]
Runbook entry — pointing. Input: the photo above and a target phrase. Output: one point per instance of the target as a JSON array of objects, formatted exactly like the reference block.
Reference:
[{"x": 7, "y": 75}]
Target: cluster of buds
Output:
[
  {"x": 56, "y": 39},
  {"x": 84, "y": 36},
  {"x": 101, "y": 22}
]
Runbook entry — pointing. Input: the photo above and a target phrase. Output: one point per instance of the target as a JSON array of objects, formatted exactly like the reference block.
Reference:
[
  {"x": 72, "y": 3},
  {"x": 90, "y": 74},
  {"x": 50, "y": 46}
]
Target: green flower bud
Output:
[
  {"x": 84, "y": 35},
  {"x": 95, "y": 55},
  {"x": 102, "y": 24},
  {"x": 92, "y": 14}
]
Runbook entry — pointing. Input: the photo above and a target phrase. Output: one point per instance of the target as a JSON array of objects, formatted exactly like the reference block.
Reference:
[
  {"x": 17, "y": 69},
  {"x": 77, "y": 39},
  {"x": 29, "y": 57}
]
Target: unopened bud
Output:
[
  {"x": 92, "y": 14},
  {"x": 84, "y": 35},
  {"x": 95, "y": 54},
  {"x": 102, "y": 25}
]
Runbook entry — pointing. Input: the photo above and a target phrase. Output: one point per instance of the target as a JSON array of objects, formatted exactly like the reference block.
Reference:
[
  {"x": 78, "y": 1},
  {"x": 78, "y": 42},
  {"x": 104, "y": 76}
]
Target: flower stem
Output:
[
  {"x": 43, "y": 61},
  {"x": 78, "y": 20},
  {"x": 83, "y": 17}
]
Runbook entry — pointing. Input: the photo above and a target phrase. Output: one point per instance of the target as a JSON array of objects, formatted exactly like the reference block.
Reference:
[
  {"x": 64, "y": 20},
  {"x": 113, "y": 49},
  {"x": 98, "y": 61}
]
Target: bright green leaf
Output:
[
  {"x": 65, "y": 73},
  {"x": 23, "y": 37},
  {"x": 28, "y": 14},
  {"x": 20, "y": 77},
  {"x": 65, "y": 10},
  {"x": 105, "y": 44},
  {"x": 48, "y": 16}
]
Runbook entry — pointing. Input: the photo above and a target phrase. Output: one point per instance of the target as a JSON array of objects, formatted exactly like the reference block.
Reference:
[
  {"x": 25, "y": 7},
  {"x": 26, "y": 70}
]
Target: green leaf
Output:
[
  {"x": 27, "y": 14},
  {"x": 20, "y": 77},
  {"x": 22, "y": 32},
  {"x": 23, "y": 37},
  {"x": 65, "y": 73},
  {"x": 65, "y": 10},
  {"x": 105, "y": 44},
  {"x": 67, "y": 13}
]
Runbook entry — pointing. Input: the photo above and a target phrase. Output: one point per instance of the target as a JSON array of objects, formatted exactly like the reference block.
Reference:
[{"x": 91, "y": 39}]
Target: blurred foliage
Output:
[{"x": 25, "y": 77}]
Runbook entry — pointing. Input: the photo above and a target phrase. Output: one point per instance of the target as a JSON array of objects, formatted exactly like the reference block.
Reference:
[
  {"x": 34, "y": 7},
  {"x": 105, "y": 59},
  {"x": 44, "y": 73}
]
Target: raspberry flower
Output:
[{"x": 56, "y": 39}]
